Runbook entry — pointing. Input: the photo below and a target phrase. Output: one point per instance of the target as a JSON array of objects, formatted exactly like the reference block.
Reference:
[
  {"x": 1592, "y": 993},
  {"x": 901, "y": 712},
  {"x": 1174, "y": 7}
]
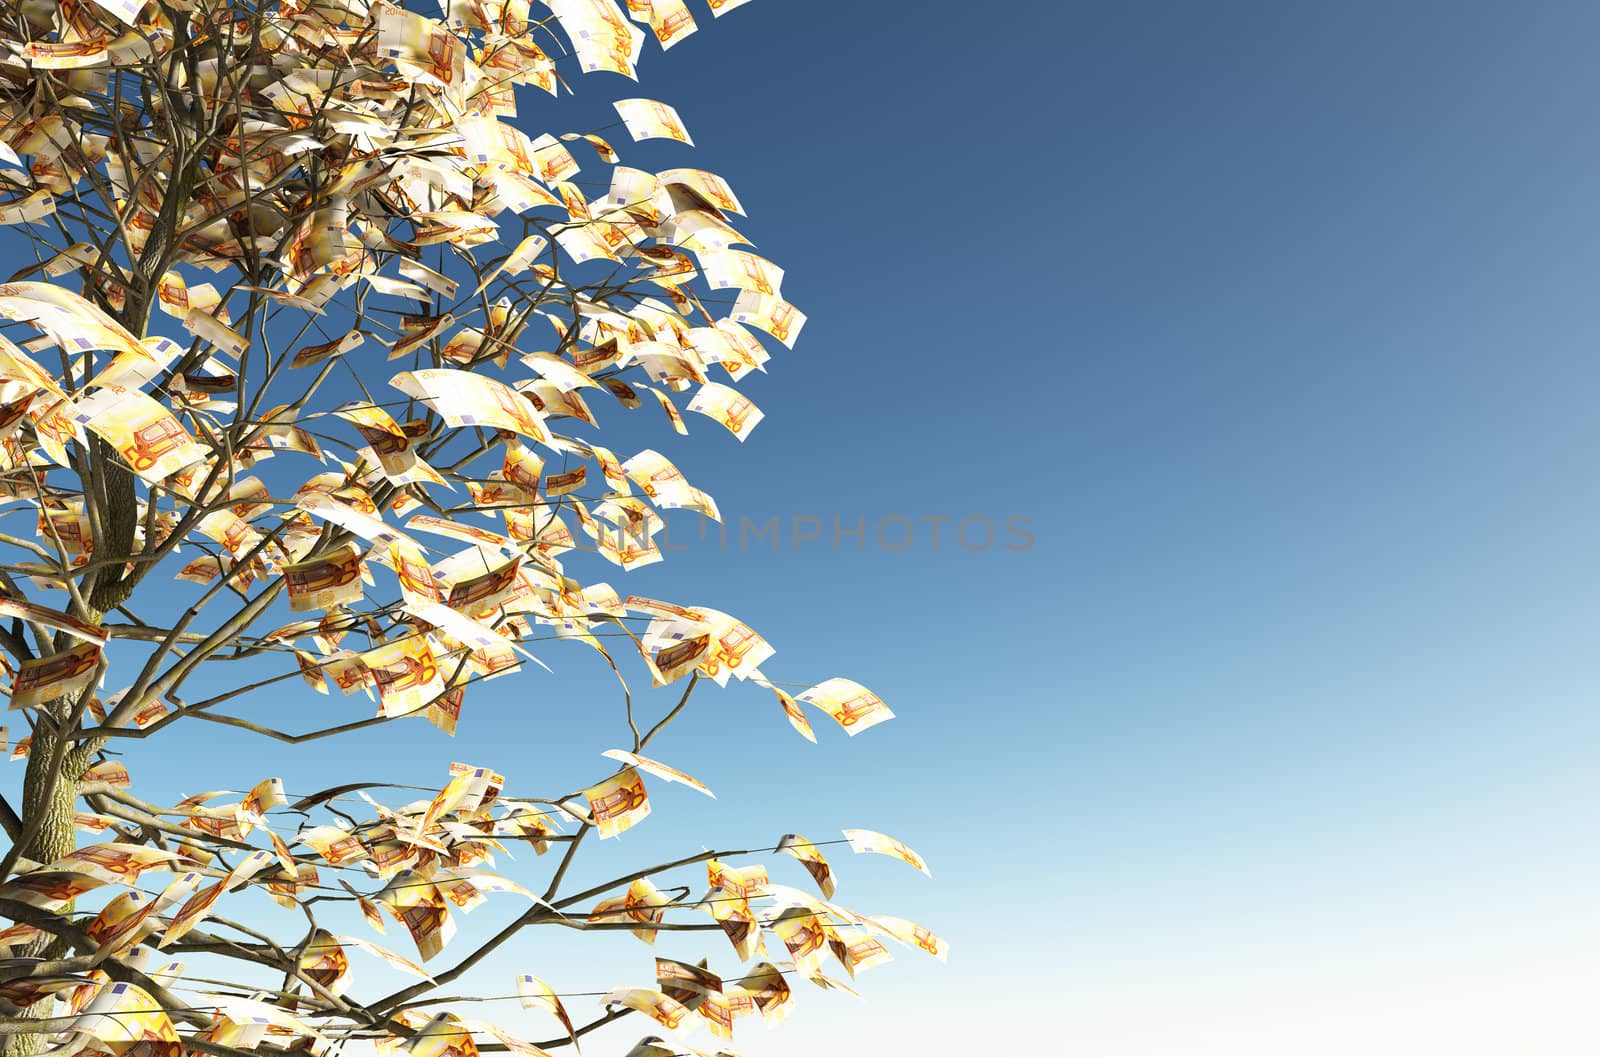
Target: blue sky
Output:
[{"x": 1276, "y": 324}]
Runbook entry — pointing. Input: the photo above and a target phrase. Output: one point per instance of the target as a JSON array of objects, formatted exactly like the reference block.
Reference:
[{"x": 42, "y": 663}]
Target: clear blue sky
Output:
[{"x": 1277, "y": 321}]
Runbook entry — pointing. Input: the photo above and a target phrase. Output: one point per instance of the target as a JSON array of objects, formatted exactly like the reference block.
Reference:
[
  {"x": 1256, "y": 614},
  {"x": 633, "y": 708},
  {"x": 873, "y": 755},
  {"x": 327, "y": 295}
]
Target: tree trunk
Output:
[{"x": 54, "y": 804}]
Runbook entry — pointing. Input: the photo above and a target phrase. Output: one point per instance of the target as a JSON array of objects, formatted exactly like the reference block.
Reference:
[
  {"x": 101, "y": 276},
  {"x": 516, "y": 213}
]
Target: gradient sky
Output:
[{"x": 1276, "y": 323}]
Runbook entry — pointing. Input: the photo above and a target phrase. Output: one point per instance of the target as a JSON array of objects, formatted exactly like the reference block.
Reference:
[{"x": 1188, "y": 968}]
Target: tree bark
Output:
[{"x": 53, "y": 803}]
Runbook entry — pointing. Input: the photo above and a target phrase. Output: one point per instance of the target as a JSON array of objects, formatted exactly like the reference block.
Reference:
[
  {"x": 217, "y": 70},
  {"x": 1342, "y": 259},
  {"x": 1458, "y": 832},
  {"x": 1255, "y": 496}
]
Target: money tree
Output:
[{"x": 300, "y": 367}]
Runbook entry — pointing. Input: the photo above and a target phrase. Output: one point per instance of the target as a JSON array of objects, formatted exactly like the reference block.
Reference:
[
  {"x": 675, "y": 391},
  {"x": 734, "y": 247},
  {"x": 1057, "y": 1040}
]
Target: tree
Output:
[{"x": 311, "y": 189}]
